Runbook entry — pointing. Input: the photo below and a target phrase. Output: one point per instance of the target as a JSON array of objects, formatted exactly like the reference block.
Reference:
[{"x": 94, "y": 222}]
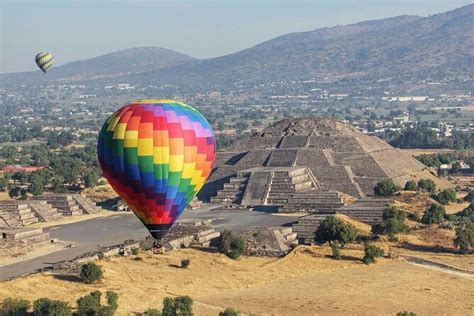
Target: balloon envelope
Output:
[
  {"x": 157, "y": 155},
  {"x": 44, "y": 61}
]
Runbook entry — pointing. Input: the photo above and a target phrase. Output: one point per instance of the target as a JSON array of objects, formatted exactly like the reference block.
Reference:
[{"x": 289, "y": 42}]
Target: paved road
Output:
[{"x": 107, "y": 231}]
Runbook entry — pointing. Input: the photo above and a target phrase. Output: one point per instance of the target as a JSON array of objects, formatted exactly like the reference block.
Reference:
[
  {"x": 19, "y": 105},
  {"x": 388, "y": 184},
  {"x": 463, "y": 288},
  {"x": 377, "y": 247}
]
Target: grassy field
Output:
[{"x": 306, "y": 282}]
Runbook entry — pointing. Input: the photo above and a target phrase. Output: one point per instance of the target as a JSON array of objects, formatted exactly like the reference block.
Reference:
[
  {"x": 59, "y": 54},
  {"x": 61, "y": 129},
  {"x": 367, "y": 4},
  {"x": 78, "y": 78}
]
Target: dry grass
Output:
[
  {"x": 441, "y": 183},
  {"x": 305, "y": 282}
]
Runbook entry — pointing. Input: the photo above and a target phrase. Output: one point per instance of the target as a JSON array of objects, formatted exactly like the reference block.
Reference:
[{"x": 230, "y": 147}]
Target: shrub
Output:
[
  {"x": 14, "y": 307},
  {"x": 333, "y": 229},
  {"x": 415, "y": 216},
  {"x": 181, "y": 305},
  {"x": 446, "y": 196},
  {"x": 91, "y": 272},
  {"x": 372, "y": 252},
  {"x": 393, "y": 222},
  {"x": 230, "y": 245},
  {"x": 405, "y": 313},
  {"x": 385, "y": 188},
  {"x": 237, "y": 247},
  {"x": 427, "y": 185},
  {"x": 185, "y": 263},
  {"x": 153, "y": 312},
  {"x": 469, "y": 197},
  {"x": 225, "y": 240},
  {"x": 135, "y": 251},
  {"x": 434, "y": 215},
  {"x": 47, "y": 307},
  {"x": 229, "y": 312},
  {"x": 410, "y": 185},
  {"x": 464, "y": 236},
  {"x": 468, "y": 212},
  {"x": 89, "y": 304}
]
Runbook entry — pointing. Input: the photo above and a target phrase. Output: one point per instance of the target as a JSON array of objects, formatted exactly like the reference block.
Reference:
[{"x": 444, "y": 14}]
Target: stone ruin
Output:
[
  {"x": 270, "y": 242},
  {"x": 307, "y": 165},
  {"x": 20, "y": 241},
  {"x": 44, "y": 208}
]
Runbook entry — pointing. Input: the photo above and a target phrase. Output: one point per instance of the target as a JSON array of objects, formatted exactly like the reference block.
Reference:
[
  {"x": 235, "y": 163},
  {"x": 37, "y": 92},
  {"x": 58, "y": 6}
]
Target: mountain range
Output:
[{"x": 433, "y": 46}]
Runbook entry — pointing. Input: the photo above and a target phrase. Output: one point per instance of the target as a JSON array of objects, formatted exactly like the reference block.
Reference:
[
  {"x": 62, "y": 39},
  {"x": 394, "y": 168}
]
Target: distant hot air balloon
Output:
[
  {"x": 44, "y": 61},
  {"x": 157, "y": 155}
]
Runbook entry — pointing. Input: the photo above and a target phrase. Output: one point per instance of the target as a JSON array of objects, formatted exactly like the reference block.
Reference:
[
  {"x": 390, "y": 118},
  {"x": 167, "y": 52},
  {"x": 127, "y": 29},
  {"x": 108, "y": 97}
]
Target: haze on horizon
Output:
[{"x": 75, "y": 30}]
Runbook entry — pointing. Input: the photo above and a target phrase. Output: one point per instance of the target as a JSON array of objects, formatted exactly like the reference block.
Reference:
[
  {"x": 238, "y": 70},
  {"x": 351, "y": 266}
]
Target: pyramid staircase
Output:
[
  {"x": 315, "y": 201},
  {"x": 87, "y": 206},
  {"x": 233, "y": 191},
  {"x": 44, "y": 211},
  {"x": 21, "y": 211},
  {"x": 285, "y": 183},
  {"x": 66, "y": 204},
  {"x": 9, "y": 219}
]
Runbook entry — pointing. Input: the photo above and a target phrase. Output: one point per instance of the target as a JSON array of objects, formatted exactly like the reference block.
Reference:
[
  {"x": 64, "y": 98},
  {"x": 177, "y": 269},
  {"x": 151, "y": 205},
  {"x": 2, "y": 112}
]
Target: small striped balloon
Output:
[
  {"x": 44, "y": 61},
  {"x": 157, "y": 155}
]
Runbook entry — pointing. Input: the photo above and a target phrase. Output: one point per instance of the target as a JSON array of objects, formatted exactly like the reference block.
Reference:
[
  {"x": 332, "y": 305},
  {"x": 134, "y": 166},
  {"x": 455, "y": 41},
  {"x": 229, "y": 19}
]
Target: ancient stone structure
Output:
[
  {"x": 14, "y": 242},
  {"x": 273, "y": 242},
  {"x": 16, "y": 214},
  {"x": 334, "y": 155},
  {"x": 69, "y": 204}
]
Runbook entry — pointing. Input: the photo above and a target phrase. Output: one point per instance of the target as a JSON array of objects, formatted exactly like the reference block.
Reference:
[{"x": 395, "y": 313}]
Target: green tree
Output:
[
  {"x": 230, "y": 245},
  {"x": 385, "y": 188},
  {"x": 36, "y": 186},
  {"x": 434, "y": 215},
  {"x": 91, "y": 272},
  {"x": 405, "y": 313},
  {"x": 464, "y": 236},
  {"x": 446, "y": 196},
  {"x": 469, "y": 197},
  {"x": 372, "y": 252},
  {"x": 47, "y": 307},
  {"x": 410, "y": 185},
  {"x": 14, "y": 307},
  {"x": 178, "y": 306},
  {"x": 333, "y": 230},
  {"x": 89, "y": 304},
  {"x": 427, "y": 185},
  {"x": 185, "y": 263},
  {"x": 468, "y": 212}
]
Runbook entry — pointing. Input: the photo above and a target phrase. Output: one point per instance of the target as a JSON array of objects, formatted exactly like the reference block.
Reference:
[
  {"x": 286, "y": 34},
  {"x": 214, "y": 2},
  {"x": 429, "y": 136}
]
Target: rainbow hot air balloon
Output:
[
  {"x": 157, "y": 155},
  {"x": 44, "y": 61}
]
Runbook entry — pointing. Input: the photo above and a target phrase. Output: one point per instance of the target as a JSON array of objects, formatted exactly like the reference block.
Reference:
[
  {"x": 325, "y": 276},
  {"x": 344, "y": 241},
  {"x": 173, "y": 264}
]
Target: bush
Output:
[
  {"x": 230, "y": 245},
  {"x": 372, "y": 252},
  {"x": 47, "y": 307},
  {"x": 393, "y": 223},
  {"x": 427, "y": 185},
  {"x": 135, "y": 251},
  {"x": 153, "y": 312},
  {"x": 405, "y": 313},
  {"x": 89, "y": 304},
  {"x": 410, "y": 185},
  {"x": 434, "y": 215},
  {"x": 446, "y": 196},
  {"x": 185, "y": 263},
  {"x": 333, "y": 229},
  {"x": 14, "y": 307},
  {"x": 464, "y": 236},
  {"x": 385, "y": 188},
  {"x": 469, "y": 197},
  {"x": 415, "y": 216},
  {"x": 229, "y": 312},
  {"x": 468, "y": 212},
  {"x": 91, "y": 272},
  {"x": 181, "y": 305}
]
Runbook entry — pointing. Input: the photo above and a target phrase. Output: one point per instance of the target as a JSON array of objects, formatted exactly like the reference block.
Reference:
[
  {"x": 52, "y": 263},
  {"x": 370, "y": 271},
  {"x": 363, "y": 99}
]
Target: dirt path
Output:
[{"x": 439, "y": 266}]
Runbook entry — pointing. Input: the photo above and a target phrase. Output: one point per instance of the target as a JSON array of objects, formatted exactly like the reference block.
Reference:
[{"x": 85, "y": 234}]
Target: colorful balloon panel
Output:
[{"x": 157, "y": 155}]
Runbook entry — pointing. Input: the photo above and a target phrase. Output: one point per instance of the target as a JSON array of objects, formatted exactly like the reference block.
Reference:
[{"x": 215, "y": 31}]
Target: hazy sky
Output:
[{"x": 73, "y": 30}]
